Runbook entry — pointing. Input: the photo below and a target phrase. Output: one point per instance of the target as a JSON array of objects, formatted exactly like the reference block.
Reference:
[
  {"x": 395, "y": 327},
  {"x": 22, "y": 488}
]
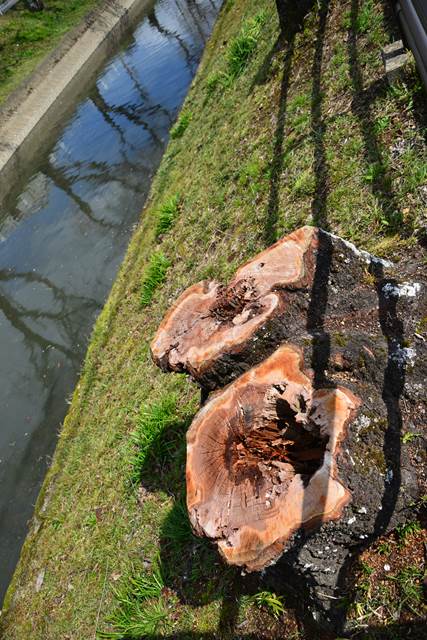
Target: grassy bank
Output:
[
  {"x": 273, "y": 135},
  {"x": 26, "y": 37}
]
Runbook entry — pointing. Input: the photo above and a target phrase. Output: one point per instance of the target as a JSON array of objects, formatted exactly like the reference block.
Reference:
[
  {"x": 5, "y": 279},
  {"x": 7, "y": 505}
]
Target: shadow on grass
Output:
[
  {"x": 361, "y": 106},
  {"x": 291, "y": 17},
  {"x": 191, "y": 567},
  {"x": 392, "y": 632}
]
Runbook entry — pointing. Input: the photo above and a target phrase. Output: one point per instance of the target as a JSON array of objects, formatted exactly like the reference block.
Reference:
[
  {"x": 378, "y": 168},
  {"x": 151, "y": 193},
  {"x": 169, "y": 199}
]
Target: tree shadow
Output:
[
  {"x": 291, "y": 18},
  {"x": 361, "y": 106}
]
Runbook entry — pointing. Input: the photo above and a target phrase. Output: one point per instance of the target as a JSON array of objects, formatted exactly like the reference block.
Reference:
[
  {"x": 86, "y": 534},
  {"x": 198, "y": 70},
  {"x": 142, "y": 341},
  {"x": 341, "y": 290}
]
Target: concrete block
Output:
[
  {"x": 395, "y": 58},
  {"x": 393, "y": 49}
]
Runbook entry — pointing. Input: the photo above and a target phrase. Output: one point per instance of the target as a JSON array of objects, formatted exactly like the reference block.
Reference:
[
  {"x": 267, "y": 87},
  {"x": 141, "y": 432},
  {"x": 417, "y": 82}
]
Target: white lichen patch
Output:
[
  {"x": 403, "y": 356},
  {"x": 406, "y": 289},
  {"x": 367, "y": 257}
]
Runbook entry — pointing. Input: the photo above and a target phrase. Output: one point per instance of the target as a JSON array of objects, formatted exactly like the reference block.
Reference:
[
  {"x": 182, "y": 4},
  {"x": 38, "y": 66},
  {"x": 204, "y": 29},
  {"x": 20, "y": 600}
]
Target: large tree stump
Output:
[
  {"x": 324, "y": 351},
  {"x": 261, "y": 460}
]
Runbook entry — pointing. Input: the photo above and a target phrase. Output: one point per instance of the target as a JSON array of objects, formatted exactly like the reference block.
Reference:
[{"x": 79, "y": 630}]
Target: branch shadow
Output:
[
  {"x": 291, "y": 18},
  {"x": 361, "y": 106}
]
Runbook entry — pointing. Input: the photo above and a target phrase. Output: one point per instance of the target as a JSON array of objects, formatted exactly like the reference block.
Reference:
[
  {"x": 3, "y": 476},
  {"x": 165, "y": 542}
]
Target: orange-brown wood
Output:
[
  {"x": 209, "y": 320},
  {"x": 261, "y": 459}
]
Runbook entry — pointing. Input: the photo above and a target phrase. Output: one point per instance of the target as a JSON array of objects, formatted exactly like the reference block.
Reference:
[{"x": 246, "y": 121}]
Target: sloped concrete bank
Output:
[{"x": 33, "y": 110}]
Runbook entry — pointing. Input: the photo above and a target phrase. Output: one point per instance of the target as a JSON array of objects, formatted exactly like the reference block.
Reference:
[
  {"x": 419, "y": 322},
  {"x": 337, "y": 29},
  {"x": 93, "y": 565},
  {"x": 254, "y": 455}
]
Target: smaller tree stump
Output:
[{"x": 212, "y": 328}]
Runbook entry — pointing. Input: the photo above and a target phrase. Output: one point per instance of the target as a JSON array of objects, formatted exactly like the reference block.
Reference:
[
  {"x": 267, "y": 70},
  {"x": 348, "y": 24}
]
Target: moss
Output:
[{"x": 340, "y": 339}]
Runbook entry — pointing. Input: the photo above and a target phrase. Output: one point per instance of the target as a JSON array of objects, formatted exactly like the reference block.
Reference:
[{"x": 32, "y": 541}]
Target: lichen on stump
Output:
[{"x": 261, "y": 459}]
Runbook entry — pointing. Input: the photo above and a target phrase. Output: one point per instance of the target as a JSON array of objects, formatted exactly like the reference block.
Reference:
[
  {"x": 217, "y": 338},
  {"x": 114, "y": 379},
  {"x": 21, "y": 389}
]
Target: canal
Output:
[{"x": 64, "y": 229}]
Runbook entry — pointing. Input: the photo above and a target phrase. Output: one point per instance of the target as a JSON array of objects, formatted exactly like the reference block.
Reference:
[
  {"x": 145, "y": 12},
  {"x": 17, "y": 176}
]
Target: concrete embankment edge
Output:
[{"x": 31, "y": 112}]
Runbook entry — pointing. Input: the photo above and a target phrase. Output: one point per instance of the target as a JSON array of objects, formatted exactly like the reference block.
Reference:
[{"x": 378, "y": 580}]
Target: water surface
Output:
[{"x": 63, "y": 234}]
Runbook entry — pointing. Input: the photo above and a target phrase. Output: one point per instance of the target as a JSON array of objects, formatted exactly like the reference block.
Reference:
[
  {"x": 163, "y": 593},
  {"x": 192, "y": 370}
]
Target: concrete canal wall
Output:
[{"x": 31, "y": 112}]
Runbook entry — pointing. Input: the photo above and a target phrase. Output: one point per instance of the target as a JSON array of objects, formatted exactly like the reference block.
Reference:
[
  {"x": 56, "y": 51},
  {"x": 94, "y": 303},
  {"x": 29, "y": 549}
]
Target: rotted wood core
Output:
[
  {"x": 232, "y": 300},
  {"x": 261, "y": 459},
  {"x": 279, "y": 446}
]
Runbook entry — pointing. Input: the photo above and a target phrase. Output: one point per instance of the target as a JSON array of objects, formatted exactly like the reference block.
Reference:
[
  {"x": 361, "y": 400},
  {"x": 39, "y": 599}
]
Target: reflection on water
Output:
[{"x": 63, "y": 236}]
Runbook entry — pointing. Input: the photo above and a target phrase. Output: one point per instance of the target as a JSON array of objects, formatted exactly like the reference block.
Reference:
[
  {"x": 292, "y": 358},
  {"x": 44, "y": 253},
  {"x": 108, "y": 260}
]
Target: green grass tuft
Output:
[
  {"x": 239, "y": 53},
  {"x": 405, "y": 531},
  {"x": 155, "y": 275},
  {"x": 141, "y": 609},
  {"x": 146, "y": 443},
  {"x": 242, "y": 47},
  {"x": 167, "y": 214},
  {"x": 181, "y": 125}
]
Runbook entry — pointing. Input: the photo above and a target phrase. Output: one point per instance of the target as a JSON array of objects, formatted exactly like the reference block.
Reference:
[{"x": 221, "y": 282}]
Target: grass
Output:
[
  {"x": 242, "y": 47},
  {"x": 405, "y": 531},
  {"x": 167, "y": 214},
  {"x": 277, "y": 147},
  {"x": 158, "y": 432},
  {"x": 26, "y": 37},
  {"x": 239, "y": 52},
  {"x": 141, "y": 609},
  {"x": 389, "y": 581},
  {"x": 154, "y": 276},
  {"x": 181, "y": 125}
]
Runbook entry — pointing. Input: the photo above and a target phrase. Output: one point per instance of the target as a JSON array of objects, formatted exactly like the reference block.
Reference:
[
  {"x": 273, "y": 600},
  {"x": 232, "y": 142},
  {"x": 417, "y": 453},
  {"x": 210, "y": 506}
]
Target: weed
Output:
[
  {"x": 154, "y": 276},
  {"x": 304, "y": 184},
  {"x": 366, "y": 569},
  {"x": 242, "y": 47},
  {"x": 405, "y": 531},
  {"x": 414, "y": 170},
  {"x": 374, "y": 172},
  {"x": 270, "y": 601},
  {"x": 384, "y": 548},
  {"x": 153, "y": 421},
  {"x": 381, "y": 124},
  {"x": 90, "y": 521},
  {"x": 409, "y": 584},
  {"x": 215, "y": 80},
  {"x": 167, "y": 214},
  {"x": 367, "y": 20},
  {"x": 409, "y": 437},
  {"x": 181, "y": 125}
]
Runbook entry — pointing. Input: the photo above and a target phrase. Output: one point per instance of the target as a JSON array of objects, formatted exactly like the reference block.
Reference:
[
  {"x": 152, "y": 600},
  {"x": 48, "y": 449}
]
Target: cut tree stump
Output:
[
  {"x": 210, "y": 330},
  {"x": 261, "y": 460},
  {"x": 318, "y": 352}
]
